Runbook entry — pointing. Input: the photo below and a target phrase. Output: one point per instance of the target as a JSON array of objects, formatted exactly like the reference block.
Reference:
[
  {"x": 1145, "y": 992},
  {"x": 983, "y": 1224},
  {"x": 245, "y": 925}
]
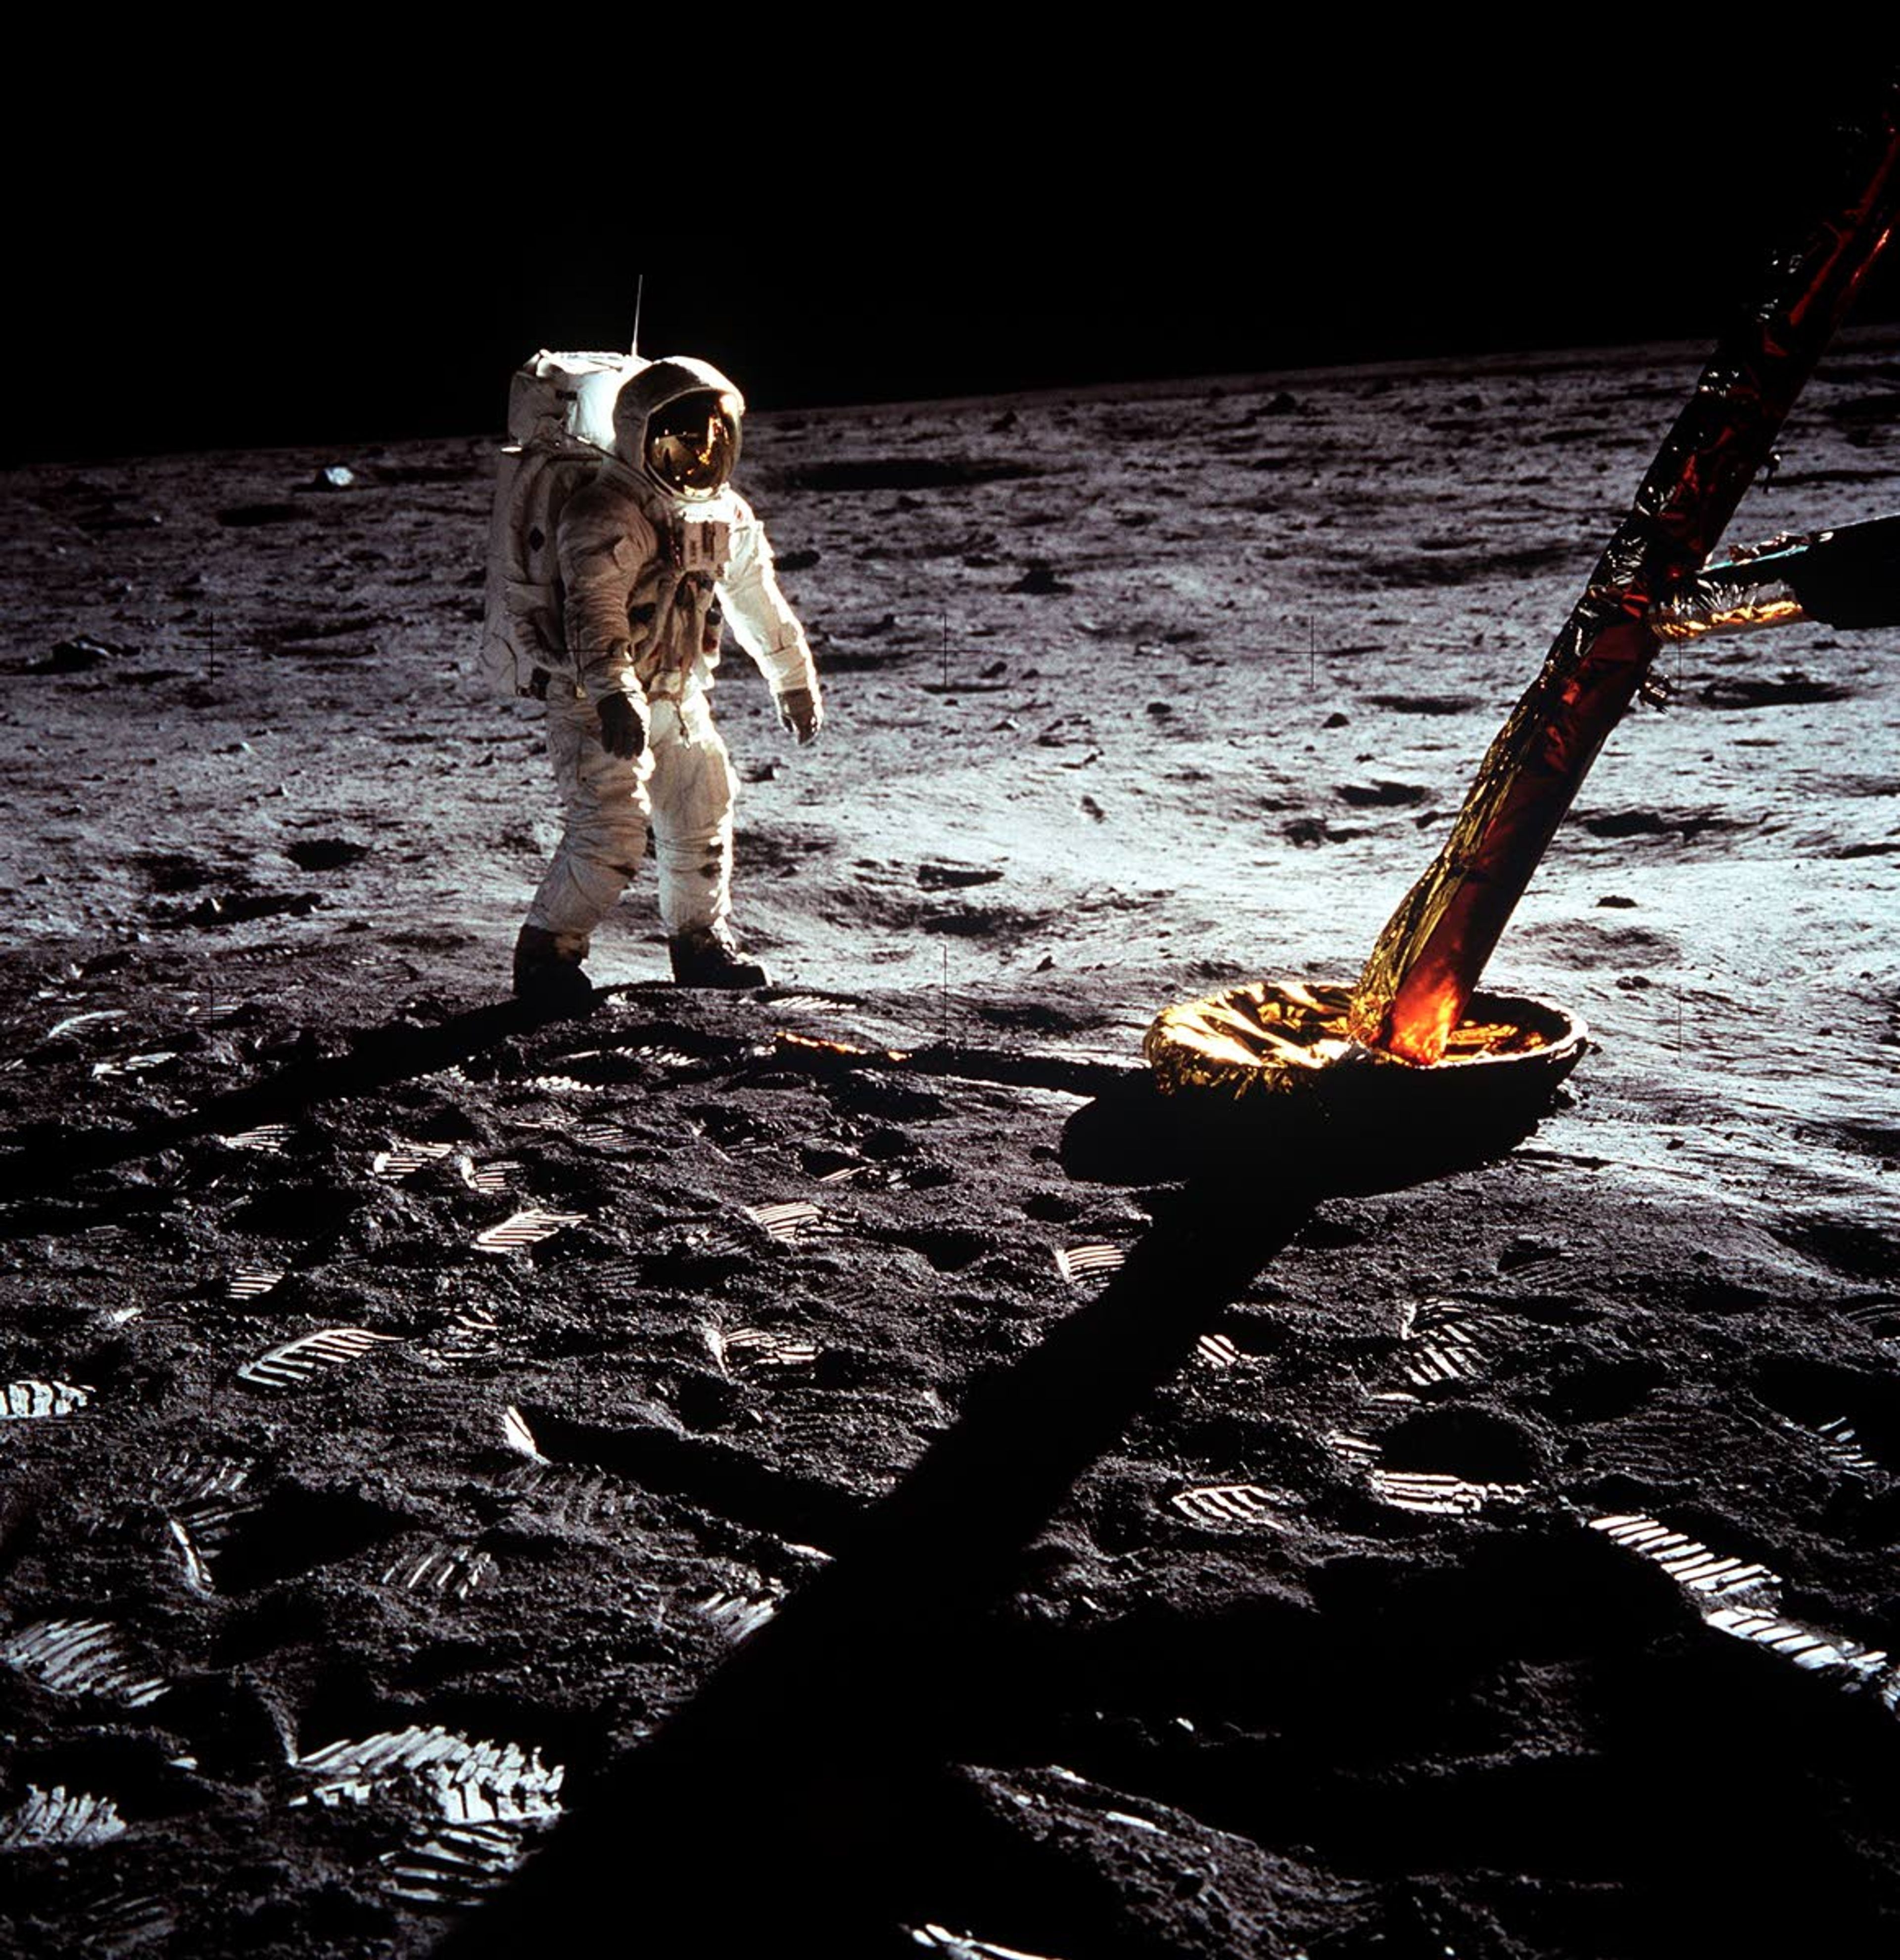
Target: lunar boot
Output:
[
  {"x": 549, "y": 981},
  {"x": 708, "y": 956}
]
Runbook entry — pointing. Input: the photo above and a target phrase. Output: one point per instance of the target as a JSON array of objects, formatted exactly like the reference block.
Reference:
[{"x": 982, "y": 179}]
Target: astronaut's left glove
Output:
[
  {"x": 803, "y": 714},
  {"x": 623, "y": 725}
]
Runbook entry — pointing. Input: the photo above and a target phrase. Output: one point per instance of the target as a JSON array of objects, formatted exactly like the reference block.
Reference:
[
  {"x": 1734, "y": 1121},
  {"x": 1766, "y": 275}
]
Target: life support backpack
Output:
[{"x": 560, "y": 424}]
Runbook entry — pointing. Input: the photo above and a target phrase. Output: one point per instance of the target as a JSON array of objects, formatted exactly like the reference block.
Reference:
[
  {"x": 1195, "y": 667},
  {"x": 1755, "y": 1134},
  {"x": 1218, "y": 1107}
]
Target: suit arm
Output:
[{"x": 762, "y": 622}]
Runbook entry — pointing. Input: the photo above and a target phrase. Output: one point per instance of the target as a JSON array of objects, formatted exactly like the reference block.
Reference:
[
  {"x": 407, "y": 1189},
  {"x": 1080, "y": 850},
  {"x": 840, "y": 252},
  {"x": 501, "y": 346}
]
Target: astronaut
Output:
[{"x": 654, "y": 553}]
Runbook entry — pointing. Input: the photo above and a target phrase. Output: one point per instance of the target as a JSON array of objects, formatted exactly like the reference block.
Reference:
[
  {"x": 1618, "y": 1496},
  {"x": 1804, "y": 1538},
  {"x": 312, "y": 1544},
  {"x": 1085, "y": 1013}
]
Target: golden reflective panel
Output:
[
  {"x": 1274, "y": 1036},
  {"x": 1713, "y": 611}
]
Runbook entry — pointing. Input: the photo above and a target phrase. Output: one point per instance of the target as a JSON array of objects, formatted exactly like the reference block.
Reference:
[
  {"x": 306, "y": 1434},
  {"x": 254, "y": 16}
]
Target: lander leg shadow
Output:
[
  {"x": 1305, "y": 1147},
  {"x": 818, "y": 1761}
]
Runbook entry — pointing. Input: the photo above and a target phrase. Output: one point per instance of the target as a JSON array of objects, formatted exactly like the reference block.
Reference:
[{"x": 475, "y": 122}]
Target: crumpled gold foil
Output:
[
  {"x": 1709, "y": 606},
  {"x": 1277, "y": 1037}
]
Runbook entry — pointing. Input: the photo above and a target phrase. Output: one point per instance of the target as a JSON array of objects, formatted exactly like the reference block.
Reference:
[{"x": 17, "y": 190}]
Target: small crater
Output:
[
  {"x": 294, "y": 1531},
  {"x": 1524, "y": 1250},
  {"x": 424, "y": 473},
  {"x": 1425, "y": 704},
  {"x": 1053, "y": 1208},
  {"x": 170, "y": 871},
  {"x": 1380, "y": 795},
  {"x": 247, "y": 516},
  {"x": 1738, "y": 694},
  {"x": 1468, "y": 1443},
  {"x": 941, "y": 876},
  {"x": 1601, "y": 1391},
  {"x": 863, "y": 1093},
  {"x": 1004, "y": 922},
  {"x": 325, "y": 853},
  {"x": 295, "y": 1211},
  {"x": 1624, "y": 823},
  {"x": 1468, "y": 568},
  {"x": 948, "y": 1249},
  {"x": 75, "y": 655},
  {"x": 1306, "y": 832}
]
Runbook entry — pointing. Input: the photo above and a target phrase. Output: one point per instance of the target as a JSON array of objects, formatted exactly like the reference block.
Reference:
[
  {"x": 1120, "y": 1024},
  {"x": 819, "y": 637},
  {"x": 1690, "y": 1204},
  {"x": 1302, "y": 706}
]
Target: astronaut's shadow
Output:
[{"x": 820, "y": 1759}]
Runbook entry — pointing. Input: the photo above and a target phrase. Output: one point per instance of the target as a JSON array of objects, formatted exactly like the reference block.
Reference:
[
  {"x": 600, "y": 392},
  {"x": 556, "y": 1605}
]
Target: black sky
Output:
[{"x": 321, "y": 293}]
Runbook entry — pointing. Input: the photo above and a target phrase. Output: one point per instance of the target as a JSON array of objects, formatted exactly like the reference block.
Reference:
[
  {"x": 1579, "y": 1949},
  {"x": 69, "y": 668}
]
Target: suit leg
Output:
[
  {"x": 692, "y": 791},
  {"x": 606, "y": 808}
]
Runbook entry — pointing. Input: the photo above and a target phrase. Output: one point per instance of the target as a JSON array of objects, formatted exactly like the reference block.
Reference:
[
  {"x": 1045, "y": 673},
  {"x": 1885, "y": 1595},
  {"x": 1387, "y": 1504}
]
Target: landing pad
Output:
[{"x": 1279, "y": 1038}]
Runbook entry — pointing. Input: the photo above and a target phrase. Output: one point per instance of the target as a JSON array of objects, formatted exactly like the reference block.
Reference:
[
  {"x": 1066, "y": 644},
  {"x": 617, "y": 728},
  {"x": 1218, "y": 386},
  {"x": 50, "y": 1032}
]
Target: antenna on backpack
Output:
[{"x": 639, "y": 292}]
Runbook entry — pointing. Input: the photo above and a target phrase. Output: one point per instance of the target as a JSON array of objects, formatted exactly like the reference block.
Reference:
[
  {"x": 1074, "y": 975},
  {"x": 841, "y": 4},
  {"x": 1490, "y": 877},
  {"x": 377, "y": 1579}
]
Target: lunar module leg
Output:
[{"x": 1428, "y": 960}]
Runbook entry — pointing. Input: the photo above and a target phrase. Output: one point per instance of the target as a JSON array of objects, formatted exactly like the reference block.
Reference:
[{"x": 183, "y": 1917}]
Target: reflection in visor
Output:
[{"x": 693, "y": 443}]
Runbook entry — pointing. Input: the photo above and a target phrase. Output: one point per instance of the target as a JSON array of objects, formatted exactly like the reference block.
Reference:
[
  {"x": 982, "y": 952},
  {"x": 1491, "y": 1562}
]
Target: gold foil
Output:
[
  {"x": 1279, "y": 1037},
  {"x": 1708, "y": 606}
]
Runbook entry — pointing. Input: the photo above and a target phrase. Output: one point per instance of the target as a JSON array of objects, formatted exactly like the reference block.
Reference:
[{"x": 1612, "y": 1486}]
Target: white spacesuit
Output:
[{"x": 654, "y": 551}]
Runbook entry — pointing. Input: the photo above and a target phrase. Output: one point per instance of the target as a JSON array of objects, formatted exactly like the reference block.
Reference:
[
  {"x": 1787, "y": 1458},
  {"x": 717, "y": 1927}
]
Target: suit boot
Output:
[
  {"x": 550, "y": 983},
  {"x": 708, "y": 956}
]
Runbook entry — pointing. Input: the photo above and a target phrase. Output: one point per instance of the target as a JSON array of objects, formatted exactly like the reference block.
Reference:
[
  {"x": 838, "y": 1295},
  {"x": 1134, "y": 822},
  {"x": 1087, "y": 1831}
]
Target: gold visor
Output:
[{"x": 693, "y": 444}]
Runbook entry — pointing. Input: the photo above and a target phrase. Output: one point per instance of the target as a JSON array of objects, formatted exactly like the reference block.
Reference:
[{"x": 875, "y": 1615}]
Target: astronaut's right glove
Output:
[
  {"x": 800, "y": 711},
  {"x": 623, "y": 725}
]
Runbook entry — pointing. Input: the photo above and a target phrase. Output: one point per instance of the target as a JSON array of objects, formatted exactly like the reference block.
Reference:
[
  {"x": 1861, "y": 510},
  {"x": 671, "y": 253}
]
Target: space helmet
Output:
[{"x": 675, "y": 421}]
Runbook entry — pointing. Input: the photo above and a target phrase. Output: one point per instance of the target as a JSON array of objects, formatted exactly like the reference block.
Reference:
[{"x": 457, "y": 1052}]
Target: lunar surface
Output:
[{"x": 464, "y": 1484}]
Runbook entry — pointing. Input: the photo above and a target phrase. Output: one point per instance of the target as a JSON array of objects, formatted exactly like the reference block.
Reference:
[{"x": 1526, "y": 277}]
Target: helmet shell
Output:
[{"x": 656, "y": 386}]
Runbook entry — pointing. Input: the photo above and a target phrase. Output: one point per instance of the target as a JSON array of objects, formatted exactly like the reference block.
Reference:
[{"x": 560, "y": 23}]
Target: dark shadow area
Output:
[
  {"x": 44, "y": 1159},
  {"x": 814, "y": 1761},
  {"x": 1349, "y": 1146},
  {"x": 377, "y": 1057},
  {"x": 703, "y": 1470},
  {"x": 1071, "y": 1075},
  {"x": 814, "y": 1774}
]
